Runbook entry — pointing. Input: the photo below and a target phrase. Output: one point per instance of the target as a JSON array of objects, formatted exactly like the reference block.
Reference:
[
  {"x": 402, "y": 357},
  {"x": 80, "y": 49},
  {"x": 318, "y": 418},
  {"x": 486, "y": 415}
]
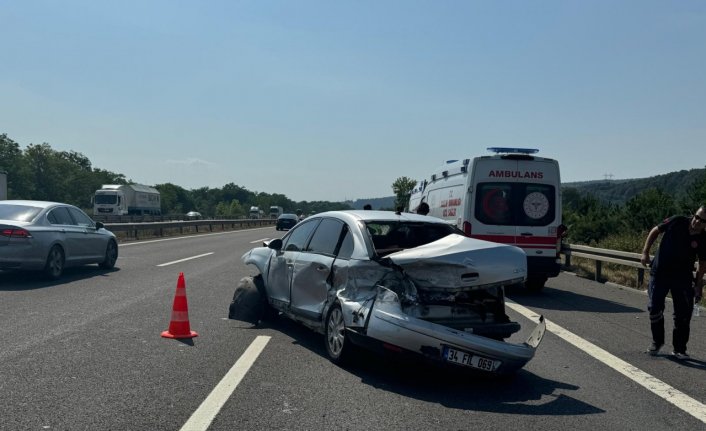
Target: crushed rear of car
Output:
[{"x": 405, "y": 283}]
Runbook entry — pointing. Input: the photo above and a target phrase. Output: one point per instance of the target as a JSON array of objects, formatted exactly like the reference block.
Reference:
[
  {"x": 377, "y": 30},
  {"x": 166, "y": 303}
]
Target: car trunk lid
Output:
[{"x": 454, "y": 263}]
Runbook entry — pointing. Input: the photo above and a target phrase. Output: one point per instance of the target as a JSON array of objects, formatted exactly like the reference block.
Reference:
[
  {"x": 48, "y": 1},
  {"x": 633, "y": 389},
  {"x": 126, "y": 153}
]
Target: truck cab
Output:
[{"x": 109, "y": 202}]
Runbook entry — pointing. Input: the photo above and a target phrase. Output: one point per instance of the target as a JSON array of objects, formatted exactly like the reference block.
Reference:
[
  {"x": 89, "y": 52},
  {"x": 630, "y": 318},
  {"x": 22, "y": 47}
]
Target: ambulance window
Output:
[
  {"x": 537, "y": 205},
  {"x": 515, "y": 204},
  {"x": 493, "y": 204}
]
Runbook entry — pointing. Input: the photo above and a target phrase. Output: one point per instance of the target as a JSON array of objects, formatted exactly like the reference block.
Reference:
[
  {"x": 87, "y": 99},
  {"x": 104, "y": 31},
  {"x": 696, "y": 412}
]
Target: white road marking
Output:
[
  {"x": 190, "y": 236},
  {"x": 201, "y": 419},
  {"x": 651, "y": 383},
  {"x": 185, "y": 259},
  {"x": 259, "y": 240}
]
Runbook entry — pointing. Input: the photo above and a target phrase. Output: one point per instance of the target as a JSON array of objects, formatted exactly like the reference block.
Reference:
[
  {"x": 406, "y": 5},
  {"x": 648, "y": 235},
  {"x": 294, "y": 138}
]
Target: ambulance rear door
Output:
[{"x": 515, "y": 201}]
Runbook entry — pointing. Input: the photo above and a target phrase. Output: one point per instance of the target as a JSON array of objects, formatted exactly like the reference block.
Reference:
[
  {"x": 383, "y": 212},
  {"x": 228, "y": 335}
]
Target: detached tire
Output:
[
  {"x": 338, "y": 346},
  {"x": 249, "y": 302}
]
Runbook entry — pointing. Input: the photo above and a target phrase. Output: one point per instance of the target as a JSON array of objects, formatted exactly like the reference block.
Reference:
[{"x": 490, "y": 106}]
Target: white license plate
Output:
[{"x": 469, "y": 359}]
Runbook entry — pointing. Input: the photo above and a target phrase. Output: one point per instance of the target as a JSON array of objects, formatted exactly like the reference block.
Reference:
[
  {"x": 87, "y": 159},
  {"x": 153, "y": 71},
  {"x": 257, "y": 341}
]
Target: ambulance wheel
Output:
[{"x": 535, "y": 284}]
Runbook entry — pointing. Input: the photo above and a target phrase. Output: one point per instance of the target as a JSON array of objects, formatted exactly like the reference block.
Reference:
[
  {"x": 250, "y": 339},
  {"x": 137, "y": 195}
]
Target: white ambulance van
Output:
[{"x": 511, "y": 197}]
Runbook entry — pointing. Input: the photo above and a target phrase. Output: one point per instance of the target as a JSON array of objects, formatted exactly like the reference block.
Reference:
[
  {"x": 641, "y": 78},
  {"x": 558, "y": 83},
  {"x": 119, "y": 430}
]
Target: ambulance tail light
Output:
[{"x": 467, "y": 228}]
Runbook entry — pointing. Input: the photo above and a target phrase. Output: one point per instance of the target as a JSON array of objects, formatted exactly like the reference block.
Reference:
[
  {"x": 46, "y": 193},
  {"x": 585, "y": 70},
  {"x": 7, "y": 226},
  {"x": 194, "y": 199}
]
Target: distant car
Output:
[
  {"x": 286, "y": 221},
  {"x": 397, "y": 282},
  {"x": 51, "y": 236},
  {"x": 193, "y": 215}
]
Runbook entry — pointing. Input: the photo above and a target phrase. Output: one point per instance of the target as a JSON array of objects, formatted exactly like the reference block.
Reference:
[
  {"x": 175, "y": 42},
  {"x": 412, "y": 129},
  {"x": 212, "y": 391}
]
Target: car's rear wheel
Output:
[
  {"x": 337, "y": 344},
  {"x": 111, "y": 255},
  {"x": 55, "y": 263}
]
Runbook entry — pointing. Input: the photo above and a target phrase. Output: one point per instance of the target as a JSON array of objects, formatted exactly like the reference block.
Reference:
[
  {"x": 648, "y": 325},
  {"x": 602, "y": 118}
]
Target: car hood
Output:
[{"x": 454, "y": 263}]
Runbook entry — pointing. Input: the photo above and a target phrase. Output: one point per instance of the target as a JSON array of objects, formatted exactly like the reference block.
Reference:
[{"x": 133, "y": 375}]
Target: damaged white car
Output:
[{"x": 401, "y": 283}]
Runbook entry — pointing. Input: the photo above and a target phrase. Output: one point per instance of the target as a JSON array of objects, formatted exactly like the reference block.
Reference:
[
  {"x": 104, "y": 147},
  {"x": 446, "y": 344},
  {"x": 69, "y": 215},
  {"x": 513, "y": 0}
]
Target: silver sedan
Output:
[
  {"x": 50, "y": 236},
  {"x": 398, "y": 282}
]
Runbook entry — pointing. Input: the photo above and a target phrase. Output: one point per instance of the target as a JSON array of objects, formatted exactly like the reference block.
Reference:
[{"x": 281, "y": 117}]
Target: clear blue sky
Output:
[{"x": 334, "y": 100}]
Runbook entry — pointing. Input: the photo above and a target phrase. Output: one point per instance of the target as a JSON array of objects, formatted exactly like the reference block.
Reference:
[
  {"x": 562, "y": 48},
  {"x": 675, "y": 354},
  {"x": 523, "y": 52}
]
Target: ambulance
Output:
[{"x": 510, "y": 197}]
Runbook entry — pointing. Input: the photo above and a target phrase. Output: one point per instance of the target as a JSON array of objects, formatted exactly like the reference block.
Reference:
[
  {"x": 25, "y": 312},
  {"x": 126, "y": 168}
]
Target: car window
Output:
[
  {"x": 60, "y": 215},
  {"x": 396, "y": 235},
  {"x": 326, "y": 237},
  {"x": 81, "y": 218},
  {"x": 346, "y": 250},
  {"x": 296, "y": 240},
  {"x": 18, "y": 212}
]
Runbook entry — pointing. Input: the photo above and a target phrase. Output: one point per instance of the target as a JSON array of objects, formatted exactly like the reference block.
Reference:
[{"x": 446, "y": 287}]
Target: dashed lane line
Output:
[
  {"x": 201, "y": 419},
  {"x": 185, "y": 259}
]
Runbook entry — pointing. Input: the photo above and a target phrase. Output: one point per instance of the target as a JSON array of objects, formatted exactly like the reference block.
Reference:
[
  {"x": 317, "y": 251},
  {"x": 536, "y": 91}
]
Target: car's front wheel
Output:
[
  {"x": 111, "y": 255},
  {"x": 337, "y": 344},
  {"x": 55, "y": 263}
]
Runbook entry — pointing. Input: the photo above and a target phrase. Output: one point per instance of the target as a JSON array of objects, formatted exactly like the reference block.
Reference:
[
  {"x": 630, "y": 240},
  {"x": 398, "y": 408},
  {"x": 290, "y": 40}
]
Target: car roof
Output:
[
  {"x": 378, "y": 215},
  {"x": 38, "y": 204},
  {"x": 288, "y": 215}
]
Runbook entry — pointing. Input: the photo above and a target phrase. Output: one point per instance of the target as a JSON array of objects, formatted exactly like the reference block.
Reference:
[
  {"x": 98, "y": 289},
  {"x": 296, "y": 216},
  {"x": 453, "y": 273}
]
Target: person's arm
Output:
[
  {"x": 651, "y": 237},
  {"x": 699, "y": 281}
]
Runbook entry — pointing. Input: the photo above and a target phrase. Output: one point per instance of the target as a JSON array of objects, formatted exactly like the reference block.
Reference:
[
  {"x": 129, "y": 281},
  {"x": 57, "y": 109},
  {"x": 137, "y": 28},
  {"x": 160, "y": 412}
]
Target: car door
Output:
[
  {"x": 279, "y": 275},
  {"x": 93, "y": 243},
  {"x": 69, "y": 233},
  {"x": 312, "y": 269}
]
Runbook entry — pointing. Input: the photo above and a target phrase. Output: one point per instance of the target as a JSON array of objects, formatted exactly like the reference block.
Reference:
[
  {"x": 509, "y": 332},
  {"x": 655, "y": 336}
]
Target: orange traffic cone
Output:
[{"x": 179, "y": 325}]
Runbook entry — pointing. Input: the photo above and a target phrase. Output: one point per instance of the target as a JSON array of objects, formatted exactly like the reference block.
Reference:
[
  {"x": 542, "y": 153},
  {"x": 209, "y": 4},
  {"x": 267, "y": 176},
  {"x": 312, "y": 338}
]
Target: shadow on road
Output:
[
  {"x": 30, "y": 280},
  {"x": 523, "y": 393},
  {"x": 558, "y": 299}
]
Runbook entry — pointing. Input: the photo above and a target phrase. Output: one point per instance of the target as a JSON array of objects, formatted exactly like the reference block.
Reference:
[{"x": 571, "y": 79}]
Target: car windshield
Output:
[
  {"x": 395, "y": 235},
  {"x": 18, "y": 212}
]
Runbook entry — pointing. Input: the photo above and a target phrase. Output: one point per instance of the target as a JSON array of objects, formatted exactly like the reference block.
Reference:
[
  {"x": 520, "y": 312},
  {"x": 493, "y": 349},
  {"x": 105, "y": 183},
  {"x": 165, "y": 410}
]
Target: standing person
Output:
[
  {"x": 423, "y": 208},
  {"x": 671, "y": 271}
]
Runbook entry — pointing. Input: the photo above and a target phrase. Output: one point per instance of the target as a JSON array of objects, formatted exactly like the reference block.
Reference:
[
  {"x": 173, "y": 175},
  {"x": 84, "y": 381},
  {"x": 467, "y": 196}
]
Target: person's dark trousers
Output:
[{"x": 683, "y": 299}]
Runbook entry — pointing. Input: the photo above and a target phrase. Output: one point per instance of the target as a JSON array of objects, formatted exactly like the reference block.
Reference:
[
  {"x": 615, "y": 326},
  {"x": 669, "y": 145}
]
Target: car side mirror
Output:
[
  {"x": 275, "y": 244},
  {"x": 99, "y": 225}
]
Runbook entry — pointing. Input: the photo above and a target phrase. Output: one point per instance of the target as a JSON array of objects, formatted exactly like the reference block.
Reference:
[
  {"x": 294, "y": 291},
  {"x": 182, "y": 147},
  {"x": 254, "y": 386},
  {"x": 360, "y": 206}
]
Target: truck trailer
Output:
[{"x": 126, "y": 199}]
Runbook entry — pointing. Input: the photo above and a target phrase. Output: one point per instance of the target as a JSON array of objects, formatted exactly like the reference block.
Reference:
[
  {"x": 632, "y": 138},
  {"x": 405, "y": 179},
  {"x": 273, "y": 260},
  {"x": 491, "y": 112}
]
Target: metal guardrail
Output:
[
  {"x": 150, "y": 229},
  {"x": 600, "y": 255}
]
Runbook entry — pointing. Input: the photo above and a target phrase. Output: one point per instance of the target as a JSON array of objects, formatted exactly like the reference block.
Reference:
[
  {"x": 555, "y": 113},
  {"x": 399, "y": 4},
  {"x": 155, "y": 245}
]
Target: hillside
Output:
[
  {"x": 609, "y": 191},
  {"x": 620, "y": 191}
]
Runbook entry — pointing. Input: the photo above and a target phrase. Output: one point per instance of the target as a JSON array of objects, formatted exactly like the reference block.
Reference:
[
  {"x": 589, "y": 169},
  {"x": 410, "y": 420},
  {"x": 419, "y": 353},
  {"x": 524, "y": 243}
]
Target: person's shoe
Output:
[
  {"x": 654, "y": 349},
  {"x": 681, "y": 355}
]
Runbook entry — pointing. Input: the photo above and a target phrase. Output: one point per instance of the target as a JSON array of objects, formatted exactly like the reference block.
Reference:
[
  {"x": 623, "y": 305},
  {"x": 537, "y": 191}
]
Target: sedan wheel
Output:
[
  {"x": 55, "y": 263},
  {"x": 111, "y": 256},
  {"x": 337, "y": 345}
]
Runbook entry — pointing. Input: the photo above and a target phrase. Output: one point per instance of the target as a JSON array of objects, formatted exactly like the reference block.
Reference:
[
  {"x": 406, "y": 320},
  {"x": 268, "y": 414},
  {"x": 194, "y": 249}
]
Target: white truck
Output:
[
  {"x": 126, "y": 199},
  {"x": 256, "y": 212},
  {"x": 276, "y": 211},
  {"x": 3, "y": 185}
]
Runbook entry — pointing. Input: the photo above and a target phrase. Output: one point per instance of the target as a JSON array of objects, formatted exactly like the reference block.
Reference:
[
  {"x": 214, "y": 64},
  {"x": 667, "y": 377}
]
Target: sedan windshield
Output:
[{"x": 18, "y": 212}]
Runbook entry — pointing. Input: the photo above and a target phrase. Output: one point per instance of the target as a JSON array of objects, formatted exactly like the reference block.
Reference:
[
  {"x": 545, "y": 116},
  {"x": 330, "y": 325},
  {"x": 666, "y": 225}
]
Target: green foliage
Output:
[
  {"x": 41, "y": 173},
  {"x": 647, "y": 209},
  {"x": 402, "y": 188},
  {"x": 624, "y": 227}
]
